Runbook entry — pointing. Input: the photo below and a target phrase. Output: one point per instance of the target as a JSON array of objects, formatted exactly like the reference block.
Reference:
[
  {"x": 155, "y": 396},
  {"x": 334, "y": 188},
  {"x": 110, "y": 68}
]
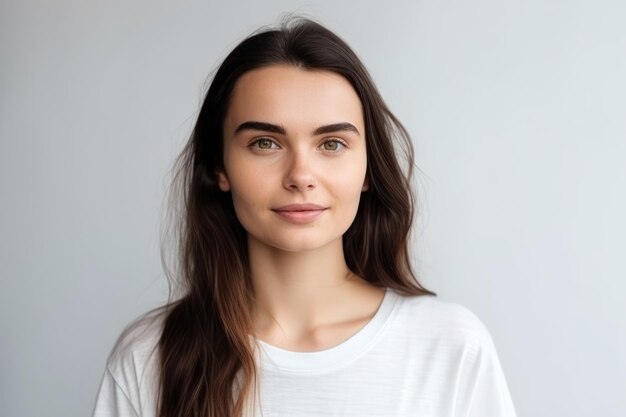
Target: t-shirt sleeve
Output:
[
  {"x": 129, "y": 383},
  {"x": 481, "y": 389},
  {"x": 490, "y": 396},
  {"x": 112, "y": 400}
]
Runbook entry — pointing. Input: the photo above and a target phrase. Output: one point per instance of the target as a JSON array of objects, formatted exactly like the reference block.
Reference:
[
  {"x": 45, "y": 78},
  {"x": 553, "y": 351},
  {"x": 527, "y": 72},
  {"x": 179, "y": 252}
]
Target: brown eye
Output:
[
  {"x": 264, "y": 144},
  {"x": 332, "y": 145}
]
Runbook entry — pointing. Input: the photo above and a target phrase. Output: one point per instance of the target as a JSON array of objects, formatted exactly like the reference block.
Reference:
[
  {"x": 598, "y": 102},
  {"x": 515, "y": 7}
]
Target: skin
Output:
[{"x": 306, "y": 297}]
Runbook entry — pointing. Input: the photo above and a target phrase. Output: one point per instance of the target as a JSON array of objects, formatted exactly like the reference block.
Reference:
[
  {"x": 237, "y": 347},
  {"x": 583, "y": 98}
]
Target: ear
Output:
[{"x": 222, "y": 181}]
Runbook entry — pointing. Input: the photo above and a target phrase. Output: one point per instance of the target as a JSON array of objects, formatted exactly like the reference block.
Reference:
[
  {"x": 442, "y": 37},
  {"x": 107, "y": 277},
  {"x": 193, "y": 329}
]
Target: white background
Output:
[{"x": 517, "y": 111}]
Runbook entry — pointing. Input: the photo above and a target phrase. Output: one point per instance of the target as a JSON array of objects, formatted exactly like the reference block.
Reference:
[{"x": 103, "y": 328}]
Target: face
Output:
[{"x": 294, "y": 156}]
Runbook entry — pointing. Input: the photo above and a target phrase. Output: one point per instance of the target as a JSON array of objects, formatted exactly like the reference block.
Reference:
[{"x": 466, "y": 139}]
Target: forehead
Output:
[{"x": 294, "y": 97}]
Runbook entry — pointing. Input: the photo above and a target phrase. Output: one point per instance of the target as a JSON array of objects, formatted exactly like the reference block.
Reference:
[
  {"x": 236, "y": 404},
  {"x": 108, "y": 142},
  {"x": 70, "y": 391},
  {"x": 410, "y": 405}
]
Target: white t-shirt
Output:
[{"x": 418, "y": 356}]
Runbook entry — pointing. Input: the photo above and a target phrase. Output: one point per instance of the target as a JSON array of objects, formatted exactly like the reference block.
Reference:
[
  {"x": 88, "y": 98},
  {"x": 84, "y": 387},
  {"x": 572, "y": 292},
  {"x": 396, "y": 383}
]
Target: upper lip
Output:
[{"x": 300, "y": 207}]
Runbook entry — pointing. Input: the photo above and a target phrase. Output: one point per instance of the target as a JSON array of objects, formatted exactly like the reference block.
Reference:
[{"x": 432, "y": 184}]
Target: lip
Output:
[
  {"x": 300, "y": 207},
  {"x": 300, "y": 213}
]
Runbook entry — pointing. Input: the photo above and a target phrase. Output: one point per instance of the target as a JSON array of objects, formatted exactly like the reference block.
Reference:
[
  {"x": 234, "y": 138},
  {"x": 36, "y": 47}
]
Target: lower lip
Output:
[{"x": 300, "y": 217}]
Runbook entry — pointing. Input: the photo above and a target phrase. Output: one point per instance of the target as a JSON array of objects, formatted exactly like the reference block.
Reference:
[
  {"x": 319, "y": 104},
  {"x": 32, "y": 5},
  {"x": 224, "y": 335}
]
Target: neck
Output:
[{"x": 296, "y": 292}]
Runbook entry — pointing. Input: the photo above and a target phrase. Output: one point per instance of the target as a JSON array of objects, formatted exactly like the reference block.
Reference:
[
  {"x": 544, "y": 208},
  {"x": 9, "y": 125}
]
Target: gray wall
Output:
[{"x": 517, "y": 110}]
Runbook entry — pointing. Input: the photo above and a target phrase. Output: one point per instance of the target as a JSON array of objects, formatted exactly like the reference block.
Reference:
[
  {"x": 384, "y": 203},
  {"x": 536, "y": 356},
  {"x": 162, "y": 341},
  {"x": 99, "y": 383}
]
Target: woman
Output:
[{"x": 298, "y": 297}]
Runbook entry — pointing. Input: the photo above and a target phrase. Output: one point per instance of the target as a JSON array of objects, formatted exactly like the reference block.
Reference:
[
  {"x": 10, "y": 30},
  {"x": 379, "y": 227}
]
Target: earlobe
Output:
[{"x": 222, "y": 181}]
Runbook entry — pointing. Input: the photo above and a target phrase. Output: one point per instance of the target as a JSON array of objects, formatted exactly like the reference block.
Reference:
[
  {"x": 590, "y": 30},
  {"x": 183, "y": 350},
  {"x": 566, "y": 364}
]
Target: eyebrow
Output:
[
  {"x": 269, "y": 127},
  {"x": 336, "y": 127},
  {"x": 265, "y": 127}
]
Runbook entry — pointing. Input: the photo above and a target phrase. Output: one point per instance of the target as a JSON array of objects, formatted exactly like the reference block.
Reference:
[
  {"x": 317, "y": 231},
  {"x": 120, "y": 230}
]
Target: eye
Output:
[
  {"x": 333, "y": 145},
  {"x": 263, "y": 144}
]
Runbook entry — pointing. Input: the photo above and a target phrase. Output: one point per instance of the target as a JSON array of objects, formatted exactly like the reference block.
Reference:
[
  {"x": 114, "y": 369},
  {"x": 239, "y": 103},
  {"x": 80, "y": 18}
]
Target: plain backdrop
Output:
[{"x": 517, "y": 110}]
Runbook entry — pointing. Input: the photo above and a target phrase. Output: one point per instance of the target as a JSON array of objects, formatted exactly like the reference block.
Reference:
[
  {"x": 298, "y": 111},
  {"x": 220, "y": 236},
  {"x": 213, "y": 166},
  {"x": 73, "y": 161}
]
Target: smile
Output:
[{"x": 300, "y": 216}]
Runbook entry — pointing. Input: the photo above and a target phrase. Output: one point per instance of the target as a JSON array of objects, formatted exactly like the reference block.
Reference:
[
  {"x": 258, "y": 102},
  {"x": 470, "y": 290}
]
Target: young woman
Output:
[{"x": 298, "y": 297}]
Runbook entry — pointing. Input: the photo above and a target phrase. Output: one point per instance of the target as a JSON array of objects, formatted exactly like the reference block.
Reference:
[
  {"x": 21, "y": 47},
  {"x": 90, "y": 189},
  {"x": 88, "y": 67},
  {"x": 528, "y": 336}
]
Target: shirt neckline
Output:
[{"x": 277, "y": 359}]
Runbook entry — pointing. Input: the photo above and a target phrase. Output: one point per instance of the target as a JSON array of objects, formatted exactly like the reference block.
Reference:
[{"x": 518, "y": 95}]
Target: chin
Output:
[
  {"x": 296, "y": 247},
  {"x": 294, "y": 243}
]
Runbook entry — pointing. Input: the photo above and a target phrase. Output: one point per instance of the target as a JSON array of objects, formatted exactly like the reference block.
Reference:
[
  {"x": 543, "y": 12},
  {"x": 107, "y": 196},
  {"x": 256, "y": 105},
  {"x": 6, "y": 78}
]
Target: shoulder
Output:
[
  {"x": 129, "y": 386},
  {"x": 430, "y": 317},
  {"x": 451, "y": 342},
  {"x": 133, "y": 359}
]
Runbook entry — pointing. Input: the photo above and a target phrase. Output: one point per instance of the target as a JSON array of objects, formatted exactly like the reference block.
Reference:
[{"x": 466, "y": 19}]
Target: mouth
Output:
[
  {"x": 300, "y": 213},
  {"x": 300, "y": 207}
]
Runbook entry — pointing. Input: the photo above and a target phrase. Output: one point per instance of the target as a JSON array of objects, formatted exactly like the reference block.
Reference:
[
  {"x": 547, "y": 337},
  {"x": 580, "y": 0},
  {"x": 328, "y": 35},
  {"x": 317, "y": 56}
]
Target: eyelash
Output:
[{"x": 255, "y": 142}]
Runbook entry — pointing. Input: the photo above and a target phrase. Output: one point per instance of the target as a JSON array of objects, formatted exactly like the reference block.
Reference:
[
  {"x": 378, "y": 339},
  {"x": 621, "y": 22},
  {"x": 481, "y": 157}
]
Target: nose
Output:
[{"x": 300, "y": 175}]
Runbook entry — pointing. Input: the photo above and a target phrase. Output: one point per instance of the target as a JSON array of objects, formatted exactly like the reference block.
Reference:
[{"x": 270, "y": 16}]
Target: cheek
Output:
[
  {"x": 349, "y": 189},
  {"x": 353, "y": 184},
  {"x": 250, "y": 197},
  {"x": 245, "y": 199},
  {"x": 244, "y": 210},
  {"x": 244, "y": 183}
]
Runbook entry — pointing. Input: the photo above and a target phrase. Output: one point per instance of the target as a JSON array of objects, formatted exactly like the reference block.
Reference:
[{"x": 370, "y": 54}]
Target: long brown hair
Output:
[{"x": 206, "y": 358}]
